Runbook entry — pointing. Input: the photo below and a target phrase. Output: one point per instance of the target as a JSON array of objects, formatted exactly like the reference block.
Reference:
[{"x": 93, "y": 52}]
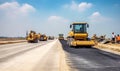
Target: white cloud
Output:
[
  {"x": 95, "y": 14},
  {"x": 14, "y": 9},
  {"x": 83, "y": 6},
  {"x": 15, "y": 18},
  {"x": 52, "y": 18},
  {"x": 56, "y": 25},
  {"x": 26, "y": 8},
  {"x": 57, "y": 19},
  {"x": 96, "y": 17}
]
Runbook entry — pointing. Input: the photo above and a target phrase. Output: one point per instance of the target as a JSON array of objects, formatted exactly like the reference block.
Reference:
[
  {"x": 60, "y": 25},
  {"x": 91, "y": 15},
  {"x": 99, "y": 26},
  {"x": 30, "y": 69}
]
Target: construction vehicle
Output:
[
  {"x": 61, "y": 37},
  {"x": 43, "y": 37},
  {"x": 39, "y": 36},
  {"x": 51, "y": 37},
  {"x": 32, "y": 37},
  {"x": 78, "y": 36}
]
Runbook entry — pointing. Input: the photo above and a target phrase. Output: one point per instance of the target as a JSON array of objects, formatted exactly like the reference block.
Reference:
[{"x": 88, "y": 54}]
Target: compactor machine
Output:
[{"x": 78, "y": 36}]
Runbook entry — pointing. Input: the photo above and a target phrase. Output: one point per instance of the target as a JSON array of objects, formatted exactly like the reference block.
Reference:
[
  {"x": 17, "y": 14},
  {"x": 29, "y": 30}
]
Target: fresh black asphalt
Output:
[{"x": 90, "y": 59}]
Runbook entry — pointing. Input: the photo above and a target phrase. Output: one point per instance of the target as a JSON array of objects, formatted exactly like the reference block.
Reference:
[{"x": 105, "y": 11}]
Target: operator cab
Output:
[
  {"x": 79, "y": 27},
  {"x": 79, "y": 36}
]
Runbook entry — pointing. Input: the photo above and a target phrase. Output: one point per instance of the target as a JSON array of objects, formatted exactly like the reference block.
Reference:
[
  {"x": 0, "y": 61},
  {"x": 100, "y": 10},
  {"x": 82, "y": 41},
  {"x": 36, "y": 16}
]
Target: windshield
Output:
[
  {"x": 60, "y": 35},
  {"x": 79, "y": 28}
]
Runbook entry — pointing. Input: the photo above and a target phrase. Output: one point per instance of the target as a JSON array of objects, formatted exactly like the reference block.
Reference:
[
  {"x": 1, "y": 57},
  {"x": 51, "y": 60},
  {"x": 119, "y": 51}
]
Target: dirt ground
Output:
[
  {"x": 110, "y": 47},
  {"x": 115, "y": 44}
]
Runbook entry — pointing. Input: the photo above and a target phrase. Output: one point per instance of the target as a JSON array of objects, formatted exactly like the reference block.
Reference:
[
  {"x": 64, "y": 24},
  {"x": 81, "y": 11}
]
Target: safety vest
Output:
[{"x": 118, "y": 38}]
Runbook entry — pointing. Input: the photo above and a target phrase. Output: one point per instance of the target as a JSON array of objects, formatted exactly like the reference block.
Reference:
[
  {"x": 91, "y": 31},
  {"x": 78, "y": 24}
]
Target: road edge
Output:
[
  {"x": 11, "y": 42},
  {"x": 63, "y": 63},
  {"x": 108, "y": 48}
]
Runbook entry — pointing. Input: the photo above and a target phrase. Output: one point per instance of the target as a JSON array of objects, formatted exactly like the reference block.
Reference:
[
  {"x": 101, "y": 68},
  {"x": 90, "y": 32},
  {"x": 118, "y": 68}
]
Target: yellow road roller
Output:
[{"x": 78, "y": 36}]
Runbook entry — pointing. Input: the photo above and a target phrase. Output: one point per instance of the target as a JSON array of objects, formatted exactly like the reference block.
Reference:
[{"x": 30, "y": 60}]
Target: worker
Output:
[
  {"x": 113, "y": 37},
  {"x": 118, "y": 38}
]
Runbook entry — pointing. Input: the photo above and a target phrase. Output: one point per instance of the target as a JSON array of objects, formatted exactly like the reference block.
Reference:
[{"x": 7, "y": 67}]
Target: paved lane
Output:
[
  {"x": 90, "y": 59},
  {"x": 11, "y": 50},
  {"x": 42, "y": 56}
]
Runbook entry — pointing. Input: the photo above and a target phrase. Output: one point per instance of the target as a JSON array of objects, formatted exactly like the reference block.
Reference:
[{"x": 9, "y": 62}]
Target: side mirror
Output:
[
  {"x": 70, "y": 26},
  {"x": 87, "y": 25}
]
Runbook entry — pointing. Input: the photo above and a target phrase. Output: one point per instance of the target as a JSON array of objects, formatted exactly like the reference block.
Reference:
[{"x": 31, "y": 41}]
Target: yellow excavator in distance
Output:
[
  {"x": 78, "y": 36},
  {"x": 43, "y": 37},
  {"x": 32, "y": 37}
]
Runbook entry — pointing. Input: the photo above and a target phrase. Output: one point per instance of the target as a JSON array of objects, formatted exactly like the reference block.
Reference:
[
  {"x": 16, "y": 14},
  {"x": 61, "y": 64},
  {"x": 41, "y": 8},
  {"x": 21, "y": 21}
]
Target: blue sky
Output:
[{"x": 52, "y": 17}]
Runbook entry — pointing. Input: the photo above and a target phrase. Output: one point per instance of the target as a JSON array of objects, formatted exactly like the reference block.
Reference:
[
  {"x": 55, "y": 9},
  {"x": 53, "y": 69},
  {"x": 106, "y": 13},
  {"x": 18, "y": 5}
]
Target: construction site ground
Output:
[
  {"x": 56, "y": 55},
  {"x": 109, "y": 47}
]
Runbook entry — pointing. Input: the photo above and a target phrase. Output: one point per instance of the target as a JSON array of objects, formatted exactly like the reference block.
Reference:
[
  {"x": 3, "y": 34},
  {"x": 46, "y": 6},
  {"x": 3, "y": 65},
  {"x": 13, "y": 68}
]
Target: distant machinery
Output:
[
  {"x": 32, "y": 37},
  {"x": 61, "y": 37},
  {"x": 43, "y": 37}
]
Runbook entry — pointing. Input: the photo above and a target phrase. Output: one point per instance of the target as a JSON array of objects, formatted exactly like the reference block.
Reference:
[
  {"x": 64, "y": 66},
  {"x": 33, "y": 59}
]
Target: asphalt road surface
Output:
[
  {"x": 90, "y": 59},
  {"x": 42, "y": 56}
]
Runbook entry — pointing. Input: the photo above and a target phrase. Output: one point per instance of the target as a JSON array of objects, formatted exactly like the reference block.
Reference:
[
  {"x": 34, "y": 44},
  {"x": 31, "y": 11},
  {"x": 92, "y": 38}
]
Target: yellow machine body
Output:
[
  {"x": 43, "y": 37},
  {"x": 32, "y": 37},
  {"x": 79, "y": 38},
  {"x": 82, "y": 43}
]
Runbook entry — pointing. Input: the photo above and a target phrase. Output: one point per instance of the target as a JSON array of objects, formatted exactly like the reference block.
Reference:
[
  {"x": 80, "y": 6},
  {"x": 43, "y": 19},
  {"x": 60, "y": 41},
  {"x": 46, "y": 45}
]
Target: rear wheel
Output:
[{"x": 36, "y": 41}]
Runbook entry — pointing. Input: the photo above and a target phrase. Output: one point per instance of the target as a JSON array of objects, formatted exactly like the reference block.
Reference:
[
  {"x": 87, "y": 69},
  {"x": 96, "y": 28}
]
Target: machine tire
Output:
[{"x": 36, "y": 41}]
